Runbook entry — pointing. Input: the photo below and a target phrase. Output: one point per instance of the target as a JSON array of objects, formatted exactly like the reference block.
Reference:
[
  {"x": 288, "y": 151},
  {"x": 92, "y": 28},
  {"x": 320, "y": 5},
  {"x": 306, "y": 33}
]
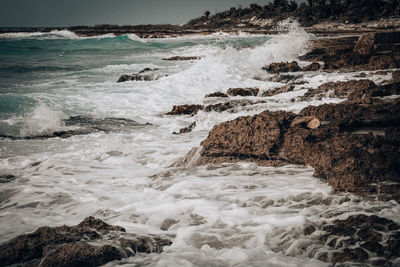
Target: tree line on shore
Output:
[{"x": 351, "y": 11}]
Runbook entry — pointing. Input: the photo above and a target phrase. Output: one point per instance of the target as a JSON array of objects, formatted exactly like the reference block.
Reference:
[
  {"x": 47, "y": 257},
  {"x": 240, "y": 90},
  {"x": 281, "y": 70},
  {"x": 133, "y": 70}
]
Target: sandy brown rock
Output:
[
  {"x": 353, "y": 147},
  {"x": 185, "y": 110},
  {"x": 243, "y": 91},
  {"x": 69, "y": 245},
  {"x": 282, "y": 67}
]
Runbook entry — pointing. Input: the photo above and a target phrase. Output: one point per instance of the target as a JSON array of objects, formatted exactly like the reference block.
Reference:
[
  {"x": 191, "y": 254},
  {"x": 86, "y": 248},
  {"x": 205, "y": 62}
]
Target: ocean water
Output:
[{"x": 230, "y": 215}]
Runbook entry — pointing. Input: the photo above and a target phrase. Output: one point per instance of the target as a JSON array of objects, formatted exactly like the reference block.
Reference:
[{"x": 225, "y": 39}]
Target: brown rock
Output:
[
  {"x": 282, "y": 67},
  {"x": 315, "y": 66},
  {"x": 361, "y": 75},
  {"x": 217, "y": 94},
  {"x": 167, "y": 223},
  {"x": 276, "y": 91},
  {"x": 186, "y": 129},
  {"x": 365, "y": 44},
  {"x": 185, "y": 110},
  {"x": 243, "y": 91},
  {"x": 353, "y": 90},
  {"x": 69, "y": 245},
  {"x": 355, "y": 148}
]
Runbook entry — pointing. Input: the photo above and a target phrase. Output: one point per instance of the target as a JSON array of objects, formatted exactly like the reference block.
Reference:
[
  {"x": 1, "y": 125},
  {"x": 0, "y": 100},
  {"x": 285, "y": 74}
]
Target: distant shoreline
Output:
[{"x": 323, "y": 28}]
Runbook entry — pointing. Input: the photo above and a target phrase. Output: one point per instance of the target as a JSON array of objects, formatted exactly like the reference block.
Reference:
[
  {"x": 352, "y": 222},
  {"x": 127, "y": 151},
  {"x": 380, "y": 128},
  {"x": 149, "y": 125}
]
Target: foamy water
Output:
[{"x": 229, "y": 215}]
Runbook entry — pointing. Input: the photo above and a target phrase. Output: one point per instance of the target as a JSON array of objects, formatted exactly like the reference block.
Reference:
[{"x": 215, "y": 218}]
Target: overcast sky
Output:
[{"x": 36, "y": 13}]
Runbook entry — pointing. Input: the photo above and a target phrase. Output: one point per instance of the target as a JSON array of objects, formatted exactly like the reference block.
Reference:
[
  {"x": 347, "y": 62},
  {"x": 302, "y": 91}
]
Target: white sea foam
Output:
[{"x": 42, "y": 120}]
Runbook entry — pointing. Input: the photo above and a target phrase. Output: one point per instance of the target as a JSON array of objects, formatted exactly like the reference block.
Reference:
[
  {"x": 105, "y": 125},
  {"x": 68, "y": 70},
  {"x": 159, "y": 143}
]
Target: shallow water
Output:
[{"x": 230, "y": 215}]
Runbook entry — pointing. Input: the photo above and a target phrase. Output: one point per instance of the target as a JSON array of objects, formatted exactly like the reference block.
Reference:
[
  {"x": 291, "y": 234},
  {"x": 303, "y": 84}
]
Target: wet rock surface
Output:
[
  {"x": 6, "y": 178},
  {"x": 180, "y": 58},
  {"x": 187, "y": 129},
  {"x": 243, "y": 91},
  {"x": 90, "y": 243},
  {"x": 359, "y": 238},
  {"x": 217, "y": 94},
  {"x": 287, "y": 88},
  {"x": 357, "y": 91},
  {"x": 354, "y": 147},
  {"x": 84, "y": 125},
  {"x": 185, "y": 109},
  {"x": 146, "y": 74},
  {"x": 282, "y": 67},
  {"x": 371, "y": 51}
]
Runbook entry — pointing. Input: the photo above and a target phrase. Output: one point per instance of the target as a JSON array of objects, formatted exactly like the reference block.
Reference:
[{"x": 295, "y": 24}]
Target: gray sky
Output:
[{"x": 36, "y": 13}]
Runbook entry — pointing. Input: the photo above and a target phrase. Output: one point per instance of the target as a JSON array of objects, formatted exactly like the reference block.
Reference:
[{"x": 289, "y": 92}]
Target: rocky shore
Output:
[
  {"x": 90, "y": 243},
  {"x": 352, "y": 145}
]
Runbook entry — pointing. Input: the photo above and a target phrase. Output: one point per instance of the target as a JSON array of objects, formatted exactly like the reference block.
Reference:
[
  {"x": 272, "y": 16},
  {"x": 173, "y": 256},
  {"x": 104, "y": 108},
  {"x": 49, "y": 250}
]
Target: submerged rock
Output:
[
  {"x": 186, "y": 129},
  {"x": 83, "y": 124},
  {"x": 6, "y": 178},
  {"x": 90, "y": 243},
  {"x": 178, "y": 58},
  {"x": 243, "y": 91},
  {"x": 135, "y": 77},
  {"x": 140, "y": 76}
]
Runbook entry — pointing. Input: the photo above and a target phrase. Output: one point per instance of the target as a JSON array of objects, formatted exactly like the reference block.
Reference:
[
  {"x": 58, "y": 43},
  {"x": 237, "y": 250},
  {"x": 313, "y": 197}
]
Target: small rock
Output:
[
  {"x": 216, "y": 94},
  {"x": 186, "y": 129},
  {"x": 315, "y": 66},
  {"x": 185, "y": 110},
  {"x": 282, "y": 67},
  {"x": 167, "y": 223},
  {"x": 243, "y": 91},
  {"x": 6, "y": 178}
]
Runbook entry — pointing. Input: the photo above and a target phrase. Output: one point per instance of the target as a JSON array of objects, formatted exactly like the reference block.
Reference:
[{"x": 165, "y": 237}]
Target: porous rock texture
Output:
[
  {"x": 354, "y": 147},
  {"x": 371, "y": 51},
  {"x": 90, "y": 243}
]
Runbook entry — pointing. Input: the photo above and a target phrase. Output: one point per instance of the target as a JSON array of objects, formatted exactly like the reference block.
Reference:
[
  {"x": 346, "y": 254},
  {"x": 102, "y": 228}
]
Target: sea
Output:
[{"x": 234, "y": 214}]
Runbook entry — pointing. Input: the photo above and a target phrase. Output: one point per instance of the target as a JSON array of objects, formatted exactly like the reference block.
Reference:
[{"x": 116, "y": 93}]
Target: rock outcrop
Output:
[
  {"x": 371, "y": 51},
  {"x": 90, "y": 243},
  {"x": 354, "y": 147}
]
